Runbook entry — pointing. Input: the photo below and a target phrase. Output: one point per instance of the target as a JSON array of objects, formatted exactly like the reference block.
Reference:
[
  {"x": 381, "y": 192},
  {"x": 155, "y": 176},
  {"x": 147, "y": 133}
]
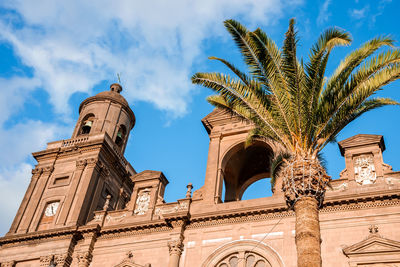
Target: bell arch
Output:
[
  {"x": 241, "y": 166},
  {"x": 249, "y": 252}
]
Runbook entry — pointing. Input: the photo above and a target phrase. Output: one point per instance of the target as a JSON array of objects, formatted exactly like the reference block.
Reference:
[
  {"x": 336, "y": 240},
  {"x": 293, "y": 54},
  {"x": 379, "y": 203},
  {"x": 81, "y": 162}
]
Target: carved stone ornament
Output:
[
  {"x": 84, "y": 259},
  {"x": 364, "y": 169},
  {"x": 45, "y": 260},
  {"x": 172, "y": 208},
  {"x": 8, "y": 264},
  {"x": 81, "y": 163},
  {"x": 142, "y": 202},
  {"x": 175, "y": 247},
  {"x": 129, "y": 262}
]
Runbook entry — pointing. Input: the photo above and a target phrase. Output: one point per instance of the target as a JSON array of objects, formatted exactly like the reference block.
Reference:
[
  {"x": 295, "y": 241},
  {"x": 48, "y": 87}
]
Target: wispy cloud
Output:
[
  {"x": 324, "y": 14},
  {"x": 359, "y": 13}
]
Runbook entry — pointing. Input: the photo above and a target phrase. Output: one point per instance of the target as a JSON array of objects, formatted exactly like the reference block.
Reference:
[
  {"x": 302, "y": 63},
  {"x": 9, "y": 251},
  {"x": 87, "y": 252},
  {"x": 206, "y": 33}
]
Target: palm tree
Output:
[{"x": 294, "y": 104}]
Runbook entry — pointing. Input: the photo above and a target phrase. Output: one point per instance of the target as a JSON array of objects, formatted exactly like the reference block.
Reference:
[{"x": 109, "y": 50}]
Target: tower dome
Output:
[{"x": 107, "y": 112}]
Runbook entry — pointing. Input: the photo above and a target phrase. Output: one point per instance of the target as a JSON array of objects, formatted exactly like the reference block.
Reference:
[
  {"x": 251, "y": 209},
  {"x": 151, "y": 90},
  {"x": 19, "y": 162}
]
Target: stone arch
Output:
[
  {"x": 242, "y": 250},
  {"x": 242, "y": 166},
  {"x": 86, "y": 124}
]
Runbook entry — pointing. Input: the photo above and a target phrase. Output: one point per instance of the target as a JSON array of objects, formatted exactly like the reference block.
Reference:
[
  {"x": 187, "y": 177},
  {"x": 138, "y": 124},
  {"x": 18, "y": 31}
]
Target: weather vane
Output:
[{"x": 119, "y": 78}]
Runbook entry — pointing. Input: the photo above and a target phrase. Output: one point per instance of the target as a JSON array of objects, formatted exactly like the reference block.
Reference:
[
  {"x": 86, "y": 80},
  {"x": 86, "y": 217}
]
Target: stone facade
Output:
[{"x": 87, "y": 206}]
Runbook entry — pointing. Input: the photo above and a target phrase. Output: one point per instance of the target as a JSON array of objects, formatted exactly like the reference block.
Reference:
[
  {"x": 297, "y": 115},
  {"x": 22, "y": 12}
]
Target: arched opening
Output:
[
  {"x": 242, "y": 166},
  {"x": 119, "y": 140},
  {"x": 249, "y": 253},
  {"x": 87, "y": 124}
]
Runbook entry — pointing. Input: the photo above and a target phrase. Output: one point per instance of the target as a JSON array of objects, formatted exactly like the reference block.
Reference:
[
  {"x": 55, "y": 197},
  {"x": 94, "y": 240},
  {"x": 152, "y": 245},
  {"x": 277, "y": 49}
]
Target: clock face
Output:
[{"x": 51, "y": 209}]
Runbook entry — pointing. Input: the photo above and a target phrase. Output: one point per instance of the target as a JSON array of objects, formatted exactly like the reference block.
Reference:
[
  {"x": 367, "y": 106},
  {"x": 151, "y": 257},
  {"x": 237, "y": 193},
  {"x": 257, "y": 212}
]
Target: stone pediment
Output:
[
  {"x": 374, "y": 244},
  {"x": 361, "y": 140},
  {"x": 218, "y": 116}
]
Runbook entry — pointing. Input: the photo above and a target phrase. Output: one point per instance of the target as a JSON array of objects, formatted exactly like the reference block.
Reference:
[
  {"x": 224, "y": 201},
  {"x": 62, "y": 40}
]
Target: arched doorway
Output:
[
  {"x": 244, "y": 253},
  {"x": 241, "y": 166}
]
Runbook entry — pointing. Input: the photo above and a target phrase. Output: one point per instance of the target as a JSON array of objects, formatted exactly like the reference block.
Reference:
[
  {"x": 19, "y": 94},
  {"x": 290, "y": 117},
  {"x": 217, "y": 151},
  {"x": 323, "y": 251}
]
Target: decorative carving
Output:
[
  {"x": 62, "y": 259},
  {"x": 116, "y": 218},
  {"x": 46, "y": 260},
  {"x": 364, "y": 169},
  {"x": 37, "y": 171},
  {"x": 175, "y": 246},
  {"x": 340, "y": 187},
  {"x": 373, "y": 229},
  {"x": 142, "y": 201},
  {"x": 167, "y": 209},
  {"x": 92, "y": 162},
  {"x": 84, "y": 259},
  {"x": 98, "y": 218},
  {"x": 48, "y": 169},
  {"x": 81, "y": 163},
  {"x": 8, "y": 264}
]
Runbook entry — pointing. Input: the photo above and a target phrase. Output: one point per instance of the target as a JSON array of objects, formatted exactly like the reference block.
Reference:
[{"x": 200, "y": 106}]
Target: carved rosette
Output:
[
  {"x": 175, "y": 247},
  {"x": 364, "y": 169},
  {"x": 84, "y": 259},
  {"x": 303, "y": 177}
]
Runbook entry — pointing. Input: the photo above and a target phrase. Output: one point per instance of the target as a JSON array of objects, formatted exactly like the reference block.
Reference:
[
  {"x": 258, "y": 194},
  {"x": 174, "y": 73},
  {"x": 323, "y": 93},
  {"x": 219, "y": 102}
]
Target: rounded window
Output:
[
  {"x": 119, "y": 140},
  {"x": 87, "y": 124}
]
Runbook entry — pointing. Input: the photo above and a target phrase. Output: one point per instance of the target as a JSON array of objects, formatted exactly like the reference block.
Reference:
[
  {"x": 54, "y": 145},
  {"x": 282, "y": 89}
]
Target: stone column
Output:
[{"x": 175, "y": 252}]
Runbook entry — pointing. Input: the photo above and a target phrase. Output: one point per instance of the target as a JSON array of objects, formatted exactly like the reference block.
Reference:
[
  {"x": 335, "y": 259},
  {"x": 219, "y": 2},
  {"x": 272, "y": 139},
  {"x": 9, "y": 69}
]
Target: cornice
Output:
[{"x": 14, "y": 238}]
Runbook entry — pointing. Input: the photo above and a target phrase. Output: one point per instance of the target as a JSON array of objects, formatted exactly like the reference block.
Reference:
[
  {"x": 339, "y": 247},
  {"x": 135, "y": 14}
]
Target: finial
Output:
[
  {"x": 129, "y": 254},
  {"x": 107, "y": 203},
  {"x": 116, "y": 87},
  {"x": 189, "y": 190}
]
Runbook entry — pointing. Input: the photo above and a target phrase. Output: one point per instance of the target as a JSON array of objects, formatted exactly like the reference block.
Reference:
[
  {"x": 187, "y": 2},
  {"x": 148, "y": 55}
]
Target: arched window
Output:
[
  {"x": 119, "y": 140},
  {"x": 87, "y": 124}
]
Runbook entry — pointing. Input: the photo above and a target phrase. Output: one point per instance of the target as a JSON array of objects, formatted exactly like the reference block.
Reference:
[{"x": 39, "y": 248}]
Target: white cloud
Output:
[
  {"x": 74, "y": 45},
  {"x": 324, "y": 14},
  {"x": 359, "y": 13},
  {"x": 17, "y": 143}
]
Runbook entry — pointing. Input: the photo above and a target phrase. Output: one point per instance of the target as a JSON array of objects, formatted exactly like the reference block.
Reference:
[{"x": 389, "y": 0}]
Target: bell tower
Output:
[{"x": 75, "y": 177}]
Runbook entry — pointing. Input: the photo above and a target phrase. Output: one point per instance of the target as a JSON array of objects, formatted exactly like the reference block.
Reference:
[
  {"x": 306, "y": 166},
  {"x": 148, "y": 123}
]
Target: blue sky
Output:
[{"x": 54, "y": 54}]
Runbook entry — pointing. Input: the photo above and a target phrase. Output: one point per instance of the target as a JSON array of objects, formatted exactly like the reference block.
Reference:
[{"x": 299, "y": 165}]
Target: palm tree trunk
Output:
[{"x": 308, "y": 236}]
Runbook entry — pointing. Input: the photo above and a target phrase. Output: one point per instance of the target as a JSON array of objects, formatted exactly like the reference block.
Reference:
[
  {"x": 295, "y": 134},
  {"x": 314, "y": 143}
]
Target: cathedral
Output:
[{"x": 87, "y": 206}]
